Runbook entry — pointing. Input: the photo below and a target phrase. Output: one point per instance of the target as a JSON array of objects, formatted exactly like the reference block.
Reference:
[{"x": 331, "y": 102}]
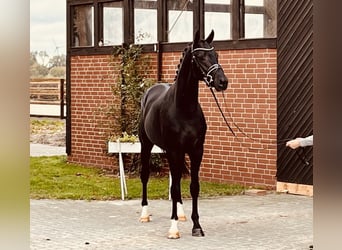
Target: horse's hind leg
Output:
[
  {"x": 180, "y": 210},
  {"x": 146, "y": 147},
  {"x": 195, "y": 158},
  {"x": 176, "y": 162}
]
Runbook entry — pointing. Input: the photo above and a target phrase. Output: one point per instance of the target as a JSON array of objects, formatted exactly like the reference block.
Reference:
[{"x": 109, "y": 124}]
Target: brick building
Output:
[{"x": 246, "y": 42}]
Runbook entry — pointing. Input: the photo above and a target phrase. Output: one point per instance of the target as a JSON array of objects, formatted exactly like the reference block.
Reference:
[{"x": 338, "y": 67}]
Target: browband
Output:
[{"x": 201, "y": 49}]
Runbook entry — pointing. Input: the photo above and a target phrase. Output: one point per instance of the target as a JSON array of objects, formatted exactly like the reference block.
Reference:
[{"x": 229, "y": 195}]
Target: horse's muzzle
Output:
[{"x": 221, "y": 81}]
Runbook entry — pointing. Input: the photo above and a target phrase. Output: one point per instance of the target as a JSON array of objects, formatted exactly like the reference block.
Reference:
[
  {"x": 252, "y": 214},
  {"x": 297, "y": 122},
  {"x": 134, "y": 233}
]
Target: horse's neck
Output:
[{"x": 187, "y": 86}]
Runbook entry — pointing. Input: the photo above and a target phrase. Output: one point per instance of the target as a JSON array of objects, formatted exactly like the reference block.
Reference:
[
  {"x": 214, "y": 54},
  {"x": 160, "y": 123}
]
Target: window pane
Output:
[
  {"x": 145, "y": 21},
  {"x": 260, "y": 18},
  {"x": 218, "y": 18},
  {"x": 254, "y": 24},
  {"x": 254, "y": 2},
  {"x": 112, "y": 23},
  {"x": 217, "y": 1},
  {"x": 83, "y": 26},
  {"x": 180, "y": 21}
]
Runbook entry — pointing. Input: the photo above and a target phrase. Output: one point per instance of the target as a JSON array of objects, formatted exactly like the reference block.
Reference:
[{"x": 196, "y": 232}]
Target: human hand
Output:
[{"x": 295, "y": 143}]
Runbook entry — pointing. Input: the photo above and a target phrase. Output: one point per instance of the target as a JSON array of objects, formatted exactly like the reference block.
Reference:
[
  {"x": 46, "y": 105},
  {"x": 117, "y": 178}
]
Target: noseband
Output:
[{"x": 207, "y": 77}]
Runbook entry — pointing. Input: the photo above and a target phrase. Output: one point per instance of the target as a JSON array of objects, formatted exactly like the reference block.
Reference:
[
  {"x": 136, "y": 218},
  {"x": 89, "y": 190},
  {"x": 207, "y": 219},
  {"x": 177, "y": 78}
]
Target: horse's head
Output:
[{"x": 206, "y": 61}]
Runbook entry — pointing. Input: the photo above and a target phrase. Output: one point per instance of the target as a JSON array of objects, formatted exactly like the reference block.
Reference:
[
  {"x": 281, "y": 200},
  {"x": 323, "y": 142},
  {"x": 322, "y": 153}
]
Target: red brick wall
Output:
[
  {"x": 90, "y": 79},
  {"x": 250, "y": 100}
]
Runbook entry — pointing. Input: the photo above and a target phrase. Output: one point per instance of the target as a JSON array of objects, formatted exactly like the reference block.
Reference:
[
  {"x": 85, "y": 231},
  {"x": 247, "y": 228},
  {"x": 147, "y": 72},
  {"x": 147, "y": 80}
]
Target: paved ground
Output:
[
  {"x": 45, "y": 150},
  {"x": 273, "y": 221}
]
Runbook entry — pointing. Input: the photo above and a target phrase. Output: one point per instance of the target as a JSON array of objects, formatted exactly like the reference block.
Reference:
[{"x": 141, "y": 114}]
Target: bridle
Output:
[
  {"x": 207, "y": 74},
  {"x": 208, "y": 79}
]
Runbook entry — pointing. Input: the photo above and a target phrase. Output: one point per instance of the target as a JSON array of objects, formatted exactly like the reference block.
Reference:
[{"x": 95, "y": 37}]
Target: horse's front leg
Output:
[{"x": 195, "y": 159}]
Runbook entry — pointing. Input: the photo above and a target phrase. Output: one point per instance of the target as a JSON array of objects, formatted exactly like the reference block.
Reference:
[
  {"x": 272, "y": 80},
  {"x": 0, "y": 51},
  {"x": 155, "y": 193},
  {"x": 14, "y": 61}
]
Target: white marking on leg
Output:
[
  {"x": 145, "y": 216},
  {"x": 180, "y": 212},
  {"x": 174, "y": 232},
  {"x": 174, "y": 225}
]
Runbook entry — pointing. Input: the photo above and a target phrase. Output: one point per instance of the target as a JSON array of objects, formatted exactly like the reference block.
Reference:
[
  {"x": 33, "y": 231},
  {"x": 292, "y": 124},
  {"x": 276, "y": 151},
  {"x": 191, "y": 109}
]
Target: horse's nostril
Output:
[{"x": 224, "y": 84}]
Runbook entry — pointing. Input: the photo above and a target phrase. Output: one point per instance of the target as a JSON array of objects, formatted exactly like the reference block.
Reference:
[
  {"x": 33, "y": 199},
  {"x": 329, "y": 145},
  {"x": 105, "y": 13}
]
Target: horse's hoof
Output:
[
  {"x": 145, "y": 219},
  {"x": 182, "y": 218},
  {"x": 198, "y": 232},
  {"x": 173, "y": 235}
]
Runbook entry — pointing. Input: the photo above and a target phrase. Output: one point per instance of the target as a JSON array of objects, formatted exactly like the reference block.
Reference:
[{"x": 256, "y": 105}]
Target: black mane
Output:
[{"x": 186, "y": 49}]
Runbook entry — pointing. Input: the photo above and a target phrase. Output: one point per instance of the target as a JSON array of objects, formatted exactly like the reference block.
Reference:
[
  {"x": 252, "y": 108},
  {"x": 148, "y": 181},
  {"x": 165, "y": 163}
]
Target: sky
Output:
[{"x": 48, "y": 26}]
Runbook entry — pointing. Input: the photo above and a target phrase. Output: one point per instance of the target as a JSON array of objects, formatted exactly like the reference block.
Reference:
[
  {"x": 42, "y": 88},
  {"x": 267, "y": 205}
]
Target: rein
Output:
[
  {"x": 230, "y": 128},
  {"x": 301, "y": 157}
]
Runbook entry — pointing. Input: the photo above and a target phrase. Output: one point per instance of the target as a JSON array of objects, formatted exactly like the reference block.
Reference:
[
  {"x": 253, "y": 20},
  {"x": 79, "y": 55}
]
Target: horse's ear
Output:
[
  {"x": 197, "y": 37},
  {"x": 210, "y": 37}
]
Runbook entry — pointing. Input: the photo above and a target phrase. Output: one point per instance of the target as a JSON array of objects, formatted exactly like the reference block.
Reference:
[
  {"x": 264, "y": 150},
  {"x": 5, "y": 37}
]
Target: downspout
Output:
[
  {"x": 159, "y": 61},
  {"x": 68, "y": 82}
]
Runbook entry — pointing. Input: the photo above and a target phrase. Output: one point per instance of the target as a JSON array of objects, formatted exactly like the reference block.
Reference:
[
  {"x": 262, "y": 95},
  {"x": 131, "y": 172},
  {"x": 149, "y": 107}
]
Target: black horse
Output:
[{"x": 172, "y": 119}]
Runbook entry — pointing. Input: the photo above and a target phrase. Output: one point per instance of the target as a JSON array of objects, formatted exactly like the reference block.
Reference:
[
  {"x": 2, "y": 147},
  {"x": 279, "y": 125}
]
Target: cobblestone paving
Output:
[{"x": 273, "y": 221}]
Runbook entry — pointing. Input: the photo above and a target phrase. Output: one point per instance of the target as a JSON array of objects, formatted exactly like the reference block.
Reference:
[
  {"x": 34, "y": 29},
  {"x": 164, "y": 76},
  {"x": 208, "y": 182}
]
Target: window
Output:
[
  {"x": 82, "y": 26},
  {"x": 96, "y": 25},
  {"x": 180, "y": 21},
  {"x": 218, "y": 18},
  {"x": 145, "y": 21},
  {"x": 112, "y": 23},
  {"x": 260, "y": 19}
]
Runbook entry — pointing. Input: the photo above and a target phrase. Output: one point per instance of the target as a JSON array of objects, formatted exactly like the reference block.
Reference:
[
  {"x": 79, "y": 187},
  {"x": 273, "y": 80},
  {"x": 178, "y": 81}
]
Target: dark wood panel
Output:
[{"x": 295, "y": 89}]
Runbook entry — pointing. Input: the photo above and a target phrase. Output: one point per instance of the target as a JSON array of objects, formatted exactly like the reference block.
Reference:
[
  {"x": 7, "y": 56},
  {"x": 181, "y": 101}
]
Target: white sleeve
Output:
[{"x": 307, "y": 141}]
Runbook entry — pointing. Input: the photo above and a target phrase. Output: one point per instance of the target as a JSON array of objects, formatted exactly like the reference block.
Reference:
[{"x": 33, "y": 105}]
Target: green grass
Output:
[{"x": 55, "y": 178}]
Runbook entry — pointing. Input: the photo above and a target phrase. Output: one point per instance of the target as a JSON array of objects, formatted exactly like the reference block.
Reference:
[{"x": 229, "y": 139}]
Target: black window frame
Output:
[{"x": 237, "y": 42}]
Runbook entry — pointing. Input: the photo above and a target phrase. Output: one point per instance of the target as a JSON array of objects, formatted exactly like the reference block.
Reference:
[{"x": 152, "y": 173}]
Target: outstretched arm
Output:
[{"x": 300, "y": 142}]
